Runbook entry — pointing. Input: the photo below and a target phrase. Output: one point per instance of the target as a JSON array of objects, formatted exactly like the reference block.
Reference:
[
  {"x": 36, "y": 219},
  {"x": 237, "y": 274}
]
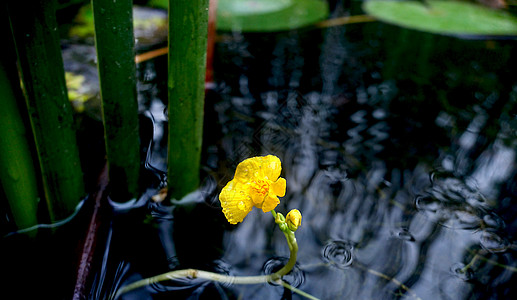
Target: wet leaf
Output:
[
  {"x": 269, "y": 15},
  {"x": 444, "y": 17}
]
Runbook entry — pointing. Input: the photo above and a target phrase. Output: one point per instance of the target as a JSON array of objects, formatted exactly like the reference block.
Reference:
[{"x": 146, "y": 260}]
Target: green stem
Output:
[
  {"x": 295, "y": 290},
  {"x": 480, "y": 256},
  {"x": 17, "y": 174},
  {"x": 188, "y": 25},
  {"x": 192, "y": 273},
  {"x": 34, "y": 28},
  {"x": 470, "y": 264},
  {"x": 293, "y": 249},
  {"x": 114, "y": 42},
  {"x": 291, "y": 242}
]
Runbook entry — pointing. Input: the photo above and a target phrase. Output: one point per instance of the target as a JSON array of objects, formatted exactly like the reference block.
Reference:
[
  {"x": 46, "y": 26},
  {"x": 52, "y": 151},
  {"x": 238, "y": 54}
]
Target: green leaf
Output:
[
  {"x": 444, "y": 17},
  {"x": 254, "y": 7},
  {"x": 269, "y": 15}
]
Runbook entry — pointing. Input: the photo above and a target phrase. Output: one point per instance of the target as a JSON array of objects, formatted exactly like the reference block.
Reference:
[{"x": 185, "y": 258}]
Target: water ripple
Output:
[
  {"x": 339, "y": 253},
  {"x": 403, "y": 234},
  {"x": 295, "y": 278},
  {"x": 456, "y": 203},
  {"x": 492, "y": 242},
  {"x": 459, "y": 270}
]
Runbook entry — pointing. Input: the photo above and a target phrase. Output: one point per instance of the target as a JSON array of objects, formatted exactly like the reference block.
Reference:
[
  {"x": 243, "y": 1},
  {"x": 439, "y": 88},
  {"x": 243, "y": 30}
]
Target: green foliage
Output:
[
  {"x": 35, "y": 33},
  {"x": 83, "y": 23},
  {"x": 444, "y": 17},
  {"x": 188, "y": 21},
  {"x": 78, "y": 92},
  {"x": 269, "y": 15},
  {"x": 117, "y": 77},
  {"x": 17, "y": 174}
]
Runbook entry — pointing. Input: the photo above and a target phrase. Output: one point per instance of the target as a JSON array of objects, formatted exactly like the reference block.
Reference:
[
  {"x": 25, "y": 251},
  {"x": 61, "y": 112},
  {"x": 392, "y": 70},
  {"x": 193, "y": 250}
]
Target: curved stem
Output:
[
  {"x": 293, "y": 251},
  {"x": 193, "y": 273}
]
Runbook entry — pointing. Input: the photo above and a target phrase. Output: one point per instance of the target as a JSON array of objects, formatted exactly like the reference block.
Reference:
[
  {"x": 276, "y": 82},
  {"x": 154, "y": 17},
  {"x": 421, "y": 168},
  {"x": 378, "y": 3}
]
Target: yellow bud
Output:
[{"x": 294, "y": 219}]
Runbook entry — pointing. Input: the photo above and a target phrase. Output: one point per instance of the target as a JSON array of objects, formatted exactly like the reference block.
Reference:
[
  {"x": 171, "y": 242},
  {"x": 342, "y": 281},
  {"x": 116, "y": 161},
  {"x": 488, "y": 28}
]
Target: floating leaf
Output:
[
  {"x": 253, "y": 7},
  {"x": 269, "y": 15},
  {"x": 150, "y": 25},
  {"x": 444, "y": 17}
]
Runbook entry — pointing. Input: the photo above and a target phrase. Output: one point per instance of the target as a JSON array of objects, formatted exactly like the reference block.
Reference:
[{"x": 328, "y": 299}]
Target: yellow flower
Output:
[
  {"x": 293, "y": 219},
  {"x": 256, "y": 183}
]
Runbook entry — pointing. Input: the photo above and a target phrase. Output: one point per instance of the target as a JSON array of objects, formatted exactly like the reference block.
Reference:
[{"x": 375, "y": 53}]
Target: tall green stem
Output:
[
  {"x": 34, "y": 27},
  {"x": 188, "y": 25},
  {"x": 17, "y": 174},
  {"x": 114, "y": 41}
]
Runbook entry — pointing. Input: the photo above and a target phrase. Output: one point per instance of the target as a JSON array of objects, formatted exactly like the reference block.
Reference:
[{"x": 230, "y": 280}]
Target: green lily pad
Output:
[
  {"x": 253, "y": 7},
  {"x": 269, "y": 15},
  {"x": 444, "y": 17}
]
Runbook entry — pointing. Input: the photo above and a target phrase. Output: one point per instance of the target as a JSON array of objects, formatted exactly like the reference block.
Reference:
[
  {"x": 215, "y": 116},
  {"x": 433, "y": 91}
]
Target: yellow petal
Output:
[
  {"x": 278, "y": 187},
  {"x": 261, "y": 167},
  {"x": 257, "y": 198},
  {"x": 271, "y": 167},
  {"x": 248, "y": 169},
  {"x": 259, "y": 189},
  {"x": 270, "y": 203},
  {"x": 235, "y": 201}
]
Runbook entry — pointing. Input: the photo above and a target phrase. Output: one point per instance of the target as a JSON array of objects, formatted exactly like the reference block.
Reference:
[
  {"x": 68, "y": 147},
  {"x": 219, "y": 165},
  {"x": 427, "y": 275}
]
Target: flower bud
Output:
[
  {"x": 279, "y": 219},
  {"x": 294, "y": 219}
]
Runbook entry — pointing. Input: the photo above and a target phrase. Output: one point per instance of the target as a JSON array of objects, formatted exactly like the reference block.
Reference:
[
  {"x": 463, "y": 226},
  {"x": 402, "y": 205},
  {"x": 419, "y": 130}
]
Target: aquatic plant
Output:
[
  {"x": 36, "y": 42},
  {"x": 34, "y": 30},
  {"x": 17, "y": 174},
  {"x": 256, "y": 183},
  {"x": 115, "y": 44},
  {"x": 445, "y": 17},
  {"x": 269, "y": 15},
  {"x": 188, "y": 20}
]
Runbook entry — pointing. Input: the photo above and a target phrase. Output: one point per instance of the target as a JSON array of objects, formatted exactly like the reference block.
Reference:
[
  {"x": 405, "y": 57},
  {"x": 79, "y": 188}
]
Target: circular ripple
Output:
[
  {"x": 493, "y": 221},
  {"x": 459, "y": 270},
  {"x": 403, "y": 234},
  {"x": 295, "y": 278},
  {"x": 426, "y": 203},
  {"x": 492, "y": 242},
  {"x": 339, "y": 254}
]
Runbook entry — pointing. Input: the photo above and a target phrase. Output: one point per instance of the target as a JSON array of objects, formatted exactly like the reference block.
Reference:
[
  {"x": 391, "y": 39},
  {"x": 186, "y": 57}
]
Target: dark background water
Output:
[{"x": 398, "y": 148}]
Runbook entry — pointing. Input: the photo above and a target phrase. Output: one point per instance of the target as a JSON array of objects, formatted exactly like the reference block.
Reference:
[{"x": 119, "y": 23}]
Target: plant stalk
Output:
[
  {"x": 114, "y": 41},
  {"x": 188, "y": 25},
  {"x": 34, "y": 28},
  {"x": 17, "y": 174}
]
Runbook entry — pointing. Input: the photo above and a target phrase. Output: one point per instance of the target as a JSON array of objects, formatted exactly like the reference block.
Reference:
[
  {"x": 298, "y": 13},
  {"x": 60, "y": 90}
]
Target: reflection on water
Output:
[{"x": 398, "y": 148}]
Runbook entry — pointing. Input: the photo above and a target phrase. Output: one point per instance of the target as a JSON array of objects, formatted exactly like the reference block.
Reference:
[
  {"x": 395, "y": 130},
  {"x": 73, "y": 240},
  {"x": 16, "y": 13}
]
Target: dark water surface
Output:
[{"x": 398, "y": 147}]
